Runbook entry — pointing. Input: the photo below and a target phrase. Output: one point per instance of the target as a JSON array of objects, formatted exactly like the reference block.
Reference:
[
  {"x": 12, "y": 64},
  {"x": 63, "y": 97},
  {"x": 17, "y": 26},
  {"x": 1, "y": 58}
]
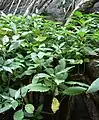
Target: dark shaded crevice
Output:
[
  {"x": 80, "y": 111},
  {"x": 92, "y": 110}
]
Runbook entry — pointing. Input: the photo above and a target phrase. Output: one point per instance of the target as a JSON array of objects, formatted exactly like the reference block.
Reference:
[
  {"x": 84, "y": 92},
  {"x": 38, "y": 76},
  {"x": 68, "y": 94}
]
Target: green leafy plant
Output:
[{"x": 38, "y": 55}]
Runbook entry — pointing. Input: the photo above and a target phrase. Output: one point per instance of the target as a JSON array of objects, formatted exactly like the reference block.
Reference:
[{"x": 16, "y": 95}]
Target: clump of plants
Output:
[{"x": 39, "y": 56}]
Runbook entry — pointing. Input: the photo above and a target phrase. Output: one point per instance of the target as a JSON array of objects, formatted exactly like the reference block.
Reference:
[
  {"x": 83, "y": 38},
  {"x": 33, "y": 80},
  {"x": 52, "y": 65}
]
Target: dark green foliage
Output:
[{"x": 36, "y": 55}]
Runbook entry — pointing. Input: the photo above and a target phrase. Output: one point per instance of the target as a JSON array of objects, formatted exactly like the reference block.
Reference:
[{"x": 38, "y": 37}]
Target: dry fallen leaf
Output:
[{"x": 55, "y": 105}]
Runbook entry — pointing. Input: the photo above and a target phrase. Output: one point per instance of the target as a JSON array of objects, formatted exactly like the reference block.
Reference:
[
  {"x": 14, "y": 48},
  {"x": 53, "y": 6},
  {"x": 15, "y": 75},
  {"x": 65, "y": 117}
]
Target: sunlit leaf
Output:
[
  {"x": 5, "y": 40},
  {"x": 29, "y": 108},
  {"x": 41, "y": 54},
  {"x": 38, "y": 88},
  {"x": 94, "y": 87},
  {"x": 13, "y": 26},
  {"x": 19, "y": 115},
  {"x": 8, "y": 69},
  {"x": 59, "y": 81},
  {"x": 17, "y": 94},
  {"x": 55, "y": 105},
  {"x": 15, "y": 37},
  {"x": 14, "y": 104},
  {"x": 5, "y": 108},
  {"x": 77, "y": 83},
  {"x": 12, "y": 92},
  {"x": 6, "y": 97},
  {"x": 40, "y": 38},
  {"x": 15, "y": 45}
]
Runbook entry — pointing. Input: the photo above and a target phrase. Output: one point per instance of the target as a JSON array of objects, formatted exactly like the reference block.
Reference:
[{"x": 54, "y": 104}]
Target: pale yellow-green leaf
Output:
[{"x": 55, "y": 105}]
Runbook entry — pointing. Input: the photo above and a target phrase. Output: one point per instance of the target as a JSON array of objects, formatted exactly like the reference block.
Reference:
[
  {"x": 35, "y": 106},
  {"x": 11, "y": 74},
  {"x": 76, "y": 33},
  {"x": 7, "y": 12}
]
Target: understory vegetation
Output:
[{"x": 39, "y": 56}]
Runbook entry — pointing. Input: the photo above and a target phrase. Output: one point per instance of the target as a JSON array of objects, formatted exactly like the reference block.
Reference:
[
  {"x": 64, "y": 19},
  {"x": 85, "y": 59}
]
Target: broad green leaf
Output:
[
  {"x": 28, "y": 72},
  {"x": 38, "y": 88},
  {"x": 58, "y": 69},
  {"x": 40, "y": 75},
  {"x": 13, "y": 26},
  {"x": 94, "y": 87},
  {"x": 48, "y": 82},
  {"x": 78, "y": 61},
  {"x": 62, "y": 44},
  {"x": 16, "y": 37},
  {"x": 5, "y": 40},
  {"x": 72, "y": 61},
  {"x": 15, "y": 65},
  {"x": 15, "y": 45},
  {"x": 90, "y": 51},
  {"x": 62, "y": 76},
  {"x": 62, "y": 63},
  {"x": 55, "y": 105},
  {"x": 34, "y": 81},
  {"x": 55, "y": 46},
  {"x": 6, "y": 29},
  {"x": 41, "y": 55},
  {"x": 14, "y": 104},
  {"x": 74, "y": 90},
  {"x": 19, "y": 115},
  {"x": 79, "y": 14},
  {"x": 49, "y": 61},
  {"x": 40, "y": 38},
  {"x": 61, "y": 67},
  {"x": 6, "y": 97},
  {"x": 45, "y": 49},
  {"x": 86, "y": 60},
  {"x": 59, "y": 81},
  {"x": 82, "y": 32},
  {"x": 65, "y": 70},
  {"x": 8, "y": 61},
  {"x": 12, "y": 92},
  {"x": 49, "y": 70},
  {"x": 29, "y": 108},
  {"x": 24, "y": 91},
  {"x": 87, "y": 21},
  {"x": 5, "y": 108},
  {"x": 8, "y": 69},
  {"x": 77, "y": 83},
  {"x": 17, "y": 94},
  {"x": 26, "y": 33},
  {"x": 34, "y": 56}
]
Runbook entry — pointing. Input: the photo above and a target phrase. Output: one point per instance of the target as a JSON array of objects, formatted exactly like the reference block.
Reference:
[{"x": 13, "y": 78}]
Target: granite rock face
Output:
[
  {"x": 52, "y": 8},
  {"x": 96, "y": 7},
  {"x": 55, "y": 8}
]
